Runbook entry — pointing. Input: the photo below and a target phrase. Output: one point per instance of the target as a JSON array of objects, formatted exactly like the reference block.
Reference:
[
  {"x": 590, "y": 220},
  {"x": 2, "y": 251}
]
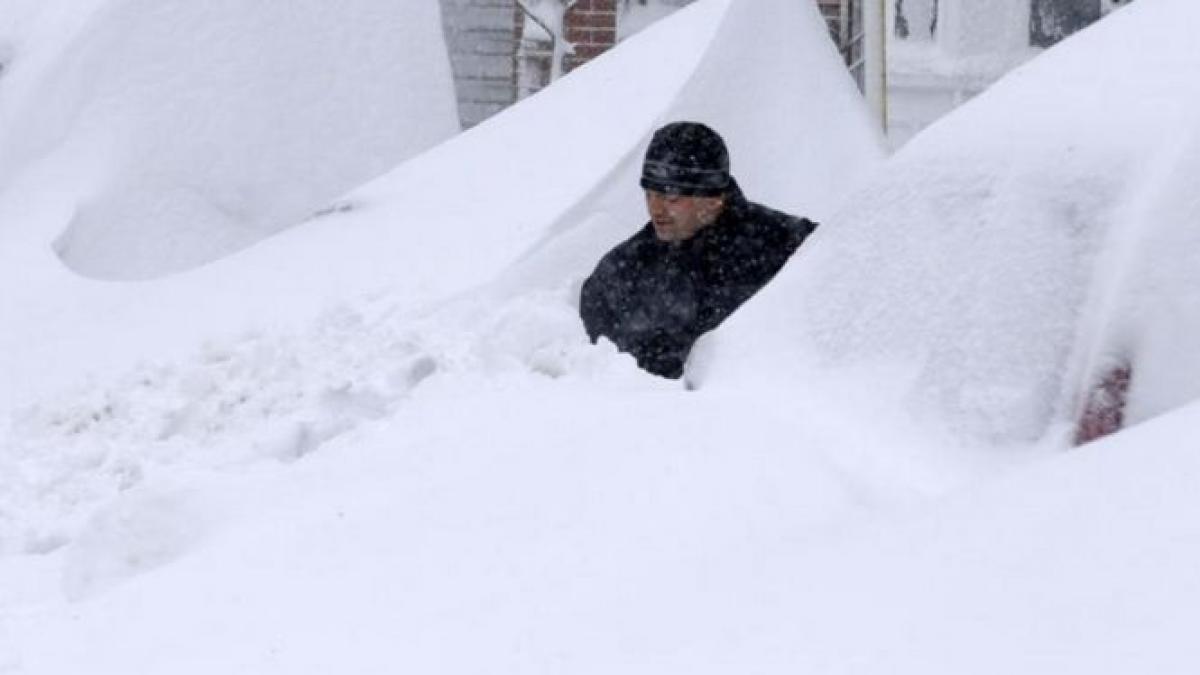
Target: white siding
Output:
[{"x": 482, "y": 43}]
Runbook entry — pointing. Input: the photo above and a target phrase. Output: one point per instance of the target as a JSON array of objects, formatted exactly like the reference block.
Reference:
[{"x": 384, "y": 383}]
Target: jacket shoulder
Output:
[
  {"x": 773, "y": 225},
  {"x": 629, "y": 250},
  {"x": 775, "y": 218}
]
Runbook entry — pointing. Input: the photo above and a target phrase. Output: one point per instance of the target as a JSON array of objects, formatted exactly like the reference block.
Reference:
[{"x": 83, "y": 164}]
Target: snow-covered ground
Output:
[
  {"x": 379, "y": 441},
  {"x": 177, "y": 132}
]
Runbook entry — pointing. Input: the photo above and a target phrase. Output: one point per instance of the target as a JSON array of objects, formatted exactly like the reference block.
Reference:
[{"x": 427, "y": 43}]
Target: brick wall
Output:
[{"x": 592, "y": 28}]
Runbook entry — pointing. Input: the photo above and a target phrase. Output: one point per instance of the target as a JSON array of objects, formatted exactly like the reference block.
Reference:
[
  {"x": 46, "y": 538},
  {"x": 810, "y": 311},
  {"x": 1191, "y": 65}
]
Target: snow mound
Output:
[
  {"x": 139, "y": 531},
  {"x": 196, "y": 129},
  {"x": 1082, "y": 564},
  {"x": 448, "y": 221},
  {"x": 257, "y": 393},
  {"x": 542, "y": 528},
  {"x": 548, "y": 183},
  {"x": 272, "y": 398},
  {"x": 1010, "y": 254}
]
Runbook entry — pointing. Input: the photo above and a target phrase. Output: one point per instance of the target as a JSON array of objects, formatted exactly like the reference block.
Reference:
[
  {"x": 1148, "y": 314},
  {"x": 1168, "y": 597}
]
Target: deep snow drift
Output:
[
  {"x": 1014, "y": 252},
  {"x": 432, "y": 228},
  {"x": 177, "y": 132},
  {"x": 314, "y": 349},
  {"x": 317, "y": 331},
  {"x": 356, "y": 474}
]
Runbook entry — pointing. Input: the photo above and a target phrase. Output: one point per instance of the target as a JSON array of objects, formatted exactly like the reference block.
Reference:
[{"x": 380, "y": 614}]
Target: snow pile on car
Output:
[{"x": 1017, "y": 252}]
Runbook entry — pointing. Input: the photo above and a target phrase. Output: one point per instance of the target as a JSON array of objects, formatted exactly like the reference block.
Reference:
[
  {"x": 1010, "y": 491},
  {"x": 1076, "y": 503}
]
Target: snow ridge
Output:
[{"x": 269, "y": 397}]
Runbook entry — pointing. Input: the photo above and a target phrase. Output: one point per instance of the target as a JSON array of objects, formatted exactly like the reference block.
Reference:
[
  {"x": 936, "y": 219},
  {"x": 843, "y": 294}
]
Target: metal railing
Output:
[{"x": 853, "y": 41}]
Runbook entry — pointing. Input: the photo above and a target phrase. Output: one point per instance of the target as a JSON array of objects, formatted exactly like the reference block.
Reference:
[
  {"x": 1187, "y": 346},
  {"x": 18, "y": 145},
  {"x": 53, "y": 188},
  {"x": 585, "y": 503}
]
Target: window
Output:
[
  {"x": 916, "y": 19},
  {"x": 1053, "y": 20}
]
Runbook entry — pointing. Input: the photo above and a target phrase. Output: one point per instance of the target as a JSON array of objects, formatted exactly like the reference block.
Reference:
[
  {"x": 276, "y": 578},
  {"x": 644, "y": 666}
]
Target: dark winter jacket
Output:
[{"x": 653, "y": 299}]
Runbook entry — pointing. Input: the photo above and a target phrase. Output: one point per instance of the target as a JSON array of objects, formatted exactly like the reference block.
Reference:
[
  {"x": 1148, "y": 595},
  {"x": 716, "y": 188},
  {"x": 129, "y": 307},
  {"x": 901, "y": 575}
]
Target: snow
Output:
[
  {"x": 378, "y": 440},
  {"x": 272, "y": 352},
  {"x": 430, "y": 228},
  {"x": 1080, "y": 564},
  {"x": 191, "y": 130},
  {"x": 983, "y": 268},
  {"x": 526, "y": 547}
]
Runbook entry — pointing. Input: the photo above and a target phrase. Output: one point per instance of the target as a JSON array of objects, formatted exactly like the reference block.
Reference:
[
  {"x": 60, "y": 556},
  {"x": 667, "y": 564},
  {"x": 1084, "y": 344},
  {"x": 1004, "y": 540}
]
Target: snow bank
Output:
[
  {"x": 480, "y": 475},
  {"x": 1082, "y": 564},
  {"x": 433, "y": 227},
  {"x": 1013, "y": 250},
  {"x": 531, "y": 519},
  {"x": 362, "y": 279},
  {"x": 267, "y": 398},
  {"x": 465, "y": 211},
  {"x": 459, "y": 472},
  {"x": 197, "y": 129}
]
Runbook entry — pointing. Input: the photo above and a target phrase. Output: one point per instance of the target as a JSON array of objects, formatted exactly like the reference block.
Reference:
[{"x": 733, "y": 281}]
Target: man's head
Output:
[{"x": 686, "y": 177}]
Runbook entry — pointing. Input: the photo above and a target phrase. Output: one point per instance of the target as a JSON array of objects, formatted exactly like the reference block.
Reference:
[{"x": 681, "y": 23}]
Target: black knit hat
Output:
[{"x": 687, "y": 158}]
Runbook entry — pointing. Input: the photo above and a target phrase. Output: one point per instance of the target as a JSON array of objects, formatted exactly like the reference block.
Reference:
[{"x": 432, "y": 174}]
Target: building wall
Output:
[
  {"x": 592, "y": 28},
  {"x": 499, "y": 57}
]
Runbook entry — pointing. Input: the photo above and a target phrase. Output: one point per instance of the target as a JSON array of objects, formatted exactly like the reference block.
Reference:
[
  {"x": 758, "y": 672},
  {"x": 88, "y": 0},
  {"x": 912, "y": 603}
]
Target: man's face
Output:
[{"x": 679, "y": 218}]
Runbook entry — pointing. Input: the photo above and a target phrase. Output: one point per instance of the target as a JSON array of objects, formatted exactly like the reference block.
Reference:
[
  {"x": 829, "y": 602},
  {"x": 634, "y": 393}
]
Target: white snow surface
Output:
[
  {"x": 273, "y": 352},
  {"x": 379, "y": 441},
  {"x": 173, "y": 133},
  {"x": 1015, "y": 252}
]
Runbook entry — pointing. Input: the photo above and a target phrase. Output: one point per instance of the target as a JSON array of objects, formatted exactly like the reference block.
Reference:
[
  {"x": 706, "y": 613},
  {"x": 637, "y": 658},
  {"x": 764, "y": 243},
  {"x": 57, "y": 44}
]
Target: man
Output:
[{"x": 705, "y": 251}]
